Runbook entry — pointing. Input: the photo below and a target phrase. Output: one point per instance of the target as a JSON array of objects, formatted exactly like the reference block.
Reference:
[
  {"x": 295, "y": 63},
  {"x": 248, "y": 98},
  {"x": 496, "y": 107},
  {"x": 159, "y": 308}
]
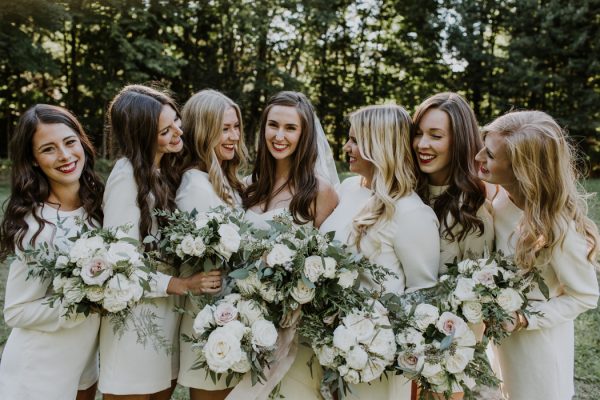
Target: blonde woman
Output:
[
  {"x": 540, "y": 218},
  {"x": 214, "y": 152},
  {"x": 381, "y": 216}
]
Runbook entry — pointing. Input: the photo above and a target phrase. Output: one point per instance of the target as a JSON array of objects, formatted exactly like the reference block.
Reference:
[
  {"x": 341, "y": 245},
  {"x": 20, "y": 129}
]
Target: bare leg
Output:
[
  {"x": 199, "y": 394},
  {"x": 106, "y": 396},
  {"x": 87, "y": 394},
  {"x": 164, "y": 394}
]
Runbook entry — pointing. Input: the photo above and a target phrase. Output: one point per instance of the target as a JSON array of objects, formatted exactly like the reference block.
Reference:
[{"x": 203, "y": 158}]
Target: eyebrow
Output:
[{"x": 51, "y": 143}]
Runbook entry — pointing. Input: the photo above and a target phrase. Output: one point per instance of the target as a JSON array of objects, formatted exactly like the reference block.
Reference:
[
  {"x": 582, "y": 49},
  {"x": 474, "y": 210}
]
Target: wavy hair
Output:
[
  {"x": 302, "y": 179},
  {"x": 30, "y": 186},
  {"x": 543, "y": 162},
  {"x": 465, "y": 193},
  {"x": 202, "y": 118},
  {"x": 133, "y": 120},
  {"x": 383, "y": 137}
]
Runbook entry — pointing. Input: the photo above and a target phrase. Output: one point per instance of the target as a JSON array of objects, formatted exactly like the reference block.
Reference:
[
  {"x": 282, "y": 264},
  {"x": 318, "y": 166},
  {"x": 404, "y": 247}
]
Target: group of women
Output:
[{"x": 427, "y": 190}]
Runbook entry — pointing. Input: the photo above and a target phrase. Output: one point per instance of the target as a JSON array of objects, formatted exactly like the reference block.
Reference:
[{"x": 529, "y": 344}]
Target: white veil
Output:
[{"x": 325, "y": 166}]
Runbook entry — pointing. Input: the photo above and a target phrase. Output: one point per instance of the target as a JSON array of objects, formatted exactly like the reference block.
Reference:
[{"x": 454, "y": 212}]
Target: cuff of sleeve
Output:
[
  {"x": 532, "y": 322},
  {"x": 162, "y": 282}
]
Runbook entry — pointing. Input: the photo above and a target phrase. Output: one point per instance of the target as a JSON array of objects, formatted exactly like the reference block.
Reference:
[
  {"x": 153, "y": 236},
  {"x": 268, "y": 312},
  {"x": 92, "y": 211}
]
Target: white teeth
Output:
[
  {"x": 229, "y": 146},
  {"x": 280, "y": 146},
  {"x": 426, "y": 157},
  {"x": 67, "y": 167}
]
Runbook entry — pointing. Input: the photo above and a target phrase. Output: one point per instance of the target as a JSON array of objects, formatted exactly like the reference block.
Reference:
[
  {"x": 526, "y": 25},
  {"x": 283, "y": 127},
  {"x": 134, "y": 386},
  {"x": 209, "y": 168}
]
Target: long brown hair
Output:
[
  {"x": 133, "y": 119},
  {"x": 302, "y": 179},
  {"x": 203, "y": 126},
  {"x": 465, "y": 193},
  {"x": 30, "y": 186}
]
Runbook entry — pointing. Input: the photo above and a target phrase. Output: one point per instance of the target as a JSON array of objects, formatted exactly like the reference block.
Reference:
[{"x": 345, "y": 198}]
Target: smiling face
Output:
[
  {"x": 357, "y": 163},
  {"x": 282, "y": 131},
  {"x": 58, "y": 152},
  {"x": 230, "y": 137},
  {"x": 432, "y": 146},
  {"x": 169, "y": 133},
  {"x": 495, "y": 166}
]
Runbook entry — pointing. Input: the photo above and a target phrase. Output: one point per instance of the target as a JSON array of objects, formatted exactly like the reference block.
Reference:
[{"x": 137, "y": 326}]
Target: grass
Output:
[{"x": 587, "y": 326}]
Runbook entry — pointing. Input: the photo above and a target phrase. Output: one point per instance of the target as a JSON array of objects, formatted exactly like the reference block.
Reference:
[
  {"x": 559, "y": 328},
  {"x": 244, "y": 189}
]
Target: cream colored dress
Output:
[
  {"x": 298, "y": 383},
  {"x": 195, "y": 192},
  {"x": 537, "y": 363},
  {"x": 47, "y": 356},
  {"x": 126, "y": 366},
  {"x": 473, "y": 243},
  {"x": 408, "y": 245}
]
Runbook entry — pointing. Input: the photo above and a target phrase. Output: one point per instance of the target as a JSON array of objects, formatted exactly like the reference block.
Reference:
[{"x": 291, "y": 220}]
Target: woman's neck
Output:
[
  {"x": 282, "y": 170},
  {"x": 515, "y": 195},
  {"x": 65, "y": 198}
]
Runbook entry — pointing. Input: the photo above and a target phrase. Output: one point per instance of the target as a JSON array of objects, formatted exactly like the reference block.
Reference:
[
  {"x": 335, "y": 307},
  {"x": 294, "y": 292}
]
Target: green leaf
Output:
[{"x": 239, "y": 274}]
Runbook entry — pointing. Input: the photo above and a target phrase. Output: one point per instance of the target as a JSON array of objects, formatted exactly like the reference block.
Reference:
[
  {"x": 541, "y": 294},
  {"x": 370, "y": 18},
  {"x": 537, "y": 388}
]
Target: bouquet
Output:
[
  {"x": 234, "y": 336},
  {"x": 202, "y": 240}
]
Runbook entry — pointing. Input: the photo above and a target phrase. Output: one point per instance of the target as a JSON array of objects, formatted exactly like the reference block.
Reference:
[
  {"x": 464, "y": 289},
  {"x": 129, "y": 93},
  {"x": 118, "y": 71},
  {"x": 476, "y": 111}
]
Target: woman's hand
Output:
[
  {"x": 291, "y": 318},
  {"x": 517, "y": 322},
  {"x": 199, "y": 283}
]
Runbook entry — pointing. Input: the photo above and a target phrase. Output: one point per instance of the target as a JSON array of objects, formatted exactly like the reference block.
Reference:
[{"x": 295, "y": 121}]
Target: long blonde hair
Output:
[
  {"x": 202, "y": 124},
  {"x": 383, "y": 136},
  {"x": 543, "y": 163}
]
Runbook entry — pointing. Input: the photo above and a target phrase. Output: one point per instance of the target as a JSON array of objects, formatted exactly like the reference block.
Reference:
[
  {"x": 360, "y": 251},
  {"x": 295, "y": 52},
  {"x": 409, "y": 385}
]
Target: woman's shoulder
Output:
[{"x": 194, "y": 176}]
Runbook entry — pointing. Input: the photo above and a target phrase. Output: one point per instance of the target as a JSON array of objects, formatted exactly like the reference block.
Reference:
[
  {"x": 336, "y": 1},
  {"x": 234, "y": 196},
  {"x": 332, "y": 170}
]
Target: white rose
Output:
[
  {"x": 204, "y": 319},
  {"x": 330, "y": 267},
  {"x": 187, "y": 245},
  {"x": 357, "y": 358},
  {"x": 229, "y": 241},
  {"x": 485, "y": 277},
  {"x": 199, "y": 247},
  {"x": 237, "y": 329},
  {"x": 466, "y": 339},
  {"x": 242, "y": 365},
  {"x": 118, "y": 293},
  {"x": 510, "y": 300},
  {"x": 302, "y": 293},
  {"x": 232, "y": 298},
  {"x": 410, "y": 336},
  {"x": 250, "y": 311},
  {"x": 96, "y": 271},
  {"x": 224, "y": 313},
  {"x": 313, "y": 268},
  {"x": 58, "y": 283},
  {"x": 249, "y": 285},
  {"x": 73, "y": 291},
  {"x": 122, "y": 251},
  {"x": 343, "y": 338},
  {"x": 361, "y": 327},
  {"x": 264, "y": 333},
  {"x": 425, "y": 315},
  {"x": 452, "y": 324},
  {"x": 464, "y": 290},
  {"x": 372, "y": 371},
  {"x": 326, "y": 355},
  {"x": 268, "y": 292},
  {"x": 222, "y": 350},
  {"x": 84, "y": 248},
  {"x": 430, "y": 370},
  {"x": 280, "y": 254},
  {"x": 410, "y": 361},
  {"x": 95, "y": 293},
  {"x": 61, "y": 262},
  {"x": 459, "y": 359},
  {"x": 472, "y": 311},
  {"x": 201, "y": 220},
  {"x": 466, "y": 266},
  {"x": 346, "y": 278},
  {"x": 343, "y": 369},
  {"x": 352, "y": 377},
  {"x": 384, "y": 344}
]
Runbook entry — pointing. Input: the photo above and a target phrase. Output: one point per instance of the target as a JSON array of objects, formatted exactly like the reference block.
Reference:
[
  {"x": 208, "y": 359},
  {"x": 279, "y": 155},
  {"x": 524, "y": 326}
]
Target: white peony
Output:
[
  {"x": 326, "y": 355},
  {"x": 222, "y": 350},
  {"x": 96, "y": 271},
  {"x": 346, "y": 278},
  {"x": 352, "y": 377},
  {"x": 384, "y": 344},
  {"x": 85, "y": 248},
  {"x": 250, "y": 311},
  {"x": 123, "y": 251},
  {"x": 73, "y": 291},
  {"x": 204, "y": 319},
  {"x": 361, "y": 327},
  {"x": 330, "y": 267},
  {"x": 466, "y": 266},
  {"x": 243, "y": 365},
  {"x": 357, "y": 358},
  {"x": 280, "y": 254},
  {"x": 201, "y": 220},
  {"x": 118, "y": 293},
  {"x": 510, "y": 300},
  {"x": 485, "y": 277},
  {"x": 302, "y": 293},
  {"x": 264, "y": 333},
  {"x": 372, "y": 371},
  {"x": 61, "y": 262},
  {"x": 225, "y": 312},
  {"x": 229, "y": 241},
  {"x": 464, "y": 290},
  {"x": 237, "y": 329},
  {"x": 472, "y": 311},
  {"x": 95, "y": 293},
  {"x": 187, "y": 245},
  {"x": 313, "y": 268},
  {"x": 458, "y": 360},
  {"x": 58, "y": 283},
  {"x": 425, "y": 315},
  {"x": 343, "y": 338}
]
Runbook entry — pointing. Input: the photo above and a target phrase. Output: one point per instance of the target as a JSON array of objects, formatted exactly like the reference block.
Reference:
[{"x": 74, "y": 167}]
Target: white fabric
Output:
[
  {"x": 537, "y": 363},
  {"x": 408, "y": 245},
  {"x": 325, "y": 166},
  {"x": 128, "y": 367},
  {"x": 195, "y": 192},
  {"x": 47, "y": 355}
]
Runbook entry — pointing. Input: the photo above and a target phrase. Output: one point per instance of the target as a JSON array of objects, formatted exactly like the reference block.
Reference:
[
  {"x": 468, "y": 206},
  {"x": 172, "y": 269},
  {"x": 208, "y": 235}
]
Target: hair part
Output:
[
  {"x": 383, "y": 137},
  {"x": 465, "y": 193},
  {"x": 554, "y": 199},
  {"x": 30, "y": 186},
  {"x": 302, "y": 180}
]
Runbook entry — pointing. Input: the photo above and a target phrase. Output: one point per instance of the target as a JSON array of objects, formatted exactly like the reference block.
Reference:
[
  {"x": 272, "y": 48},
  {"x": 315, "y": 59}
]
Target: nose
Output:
[
  {"x": 347, "y": 148},
  {"x": 63, "y": 153},
  {"x": 480, "y": 156},
  {"x": 235, "y": 134},
  {"x": 279, "y": 135},
  {"x": 178, "y": 131},
  {"x": 422, "y": 142}
]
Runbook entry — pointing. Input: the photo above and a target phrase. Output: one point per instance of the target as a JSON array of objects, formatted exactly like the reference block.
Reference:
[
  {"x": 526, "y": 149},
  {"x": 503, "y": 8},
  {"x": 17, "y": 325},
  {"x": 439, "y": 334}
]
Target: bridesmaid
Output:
[
  {"x": 214, "y": 153},
  {"x": 540, "y": 218},
  {"x": 54, "y": 189},
  {"x": 146, "y": 125},
  {"x": 381, "y": 216},
  {"x": 284, "y": 178},
  {"x": 445, "y": 140}
]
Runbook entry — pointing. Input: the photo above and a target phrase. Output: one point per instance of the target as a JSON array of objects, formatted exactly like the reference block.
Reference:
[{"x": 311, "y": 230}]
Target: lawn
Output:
[{"x": 587, "y": 326}]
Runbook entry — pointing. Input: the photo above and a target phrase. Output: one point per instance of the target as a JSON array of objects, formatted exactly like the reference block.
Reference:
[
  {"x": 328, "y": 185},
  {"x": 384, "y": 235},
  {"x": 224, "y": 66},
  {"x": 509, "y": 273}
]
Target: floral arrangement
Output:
[{"x": 234, "y": 336}]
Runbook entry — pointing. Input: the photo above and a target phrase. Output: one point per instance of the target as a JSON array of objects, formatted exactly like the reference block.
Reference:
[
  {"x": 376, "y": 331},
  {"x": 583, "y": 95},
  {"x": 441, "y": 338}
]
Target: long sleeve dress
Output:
[
  {"x": 195, "y": 192},
  {"x": 48, "y": 355},
  {"x": 408, "y": 245},
  {"x": 126, "y": 366},
  {"x": 537, "y": 363}
]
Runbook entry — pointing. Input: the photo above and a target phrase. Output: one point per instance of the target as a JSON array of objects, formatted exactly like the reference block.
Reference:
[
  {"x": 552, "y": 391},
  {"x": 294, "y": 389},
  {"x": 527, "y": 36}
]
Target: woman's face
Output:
[
  {"x": 282, "y": 131},
  {"x": 169, "y": 133},
  {"x": 432, "y": 146},
  {"x": 357, "y": 163},
  {"x": 58, "y": 152},
  {"x": 495, "y": 166},
  {"x": 230, "y": 136}
]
